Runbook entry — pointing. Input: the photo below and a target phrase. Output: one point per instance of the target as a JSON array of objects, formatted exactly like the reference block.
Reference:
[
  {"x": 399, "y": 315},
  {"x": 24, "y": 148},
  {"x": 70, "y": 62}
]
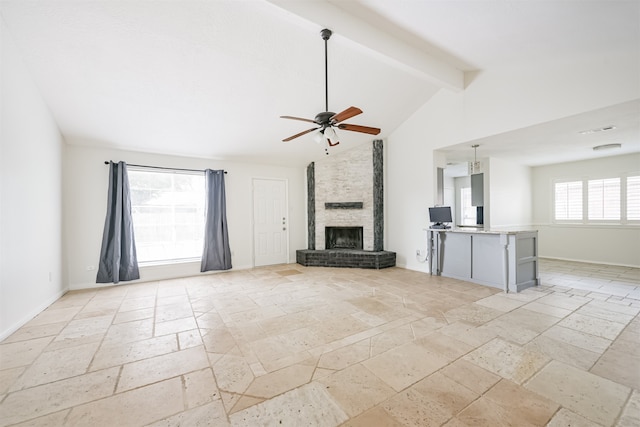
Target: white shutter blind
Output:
[
  {"x": 604, "y": 199},
  {"x": 568, "y": 200},
  {"x": 633, "y": 198},
  {"x": 468, "y": 211}
]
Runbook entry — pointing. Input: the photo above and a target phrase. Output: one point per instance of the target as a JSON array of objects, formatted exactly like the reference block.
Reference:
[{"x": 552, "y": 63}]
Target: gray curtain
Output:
[
  {"x": 216, "y": 254},
  {"x": 118, "y": 260}
]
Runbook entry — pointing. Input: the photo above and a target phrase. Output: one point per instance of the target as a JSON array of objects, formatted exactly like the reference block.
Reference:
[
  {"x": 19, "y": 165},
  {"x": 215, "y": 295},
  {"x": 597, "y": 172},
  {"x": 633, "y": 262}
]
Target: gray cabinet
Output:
[
  {"x": 477, "y": 189},
  {"x": 506, "y": 260},
  {"x": 454, "y": 256}
]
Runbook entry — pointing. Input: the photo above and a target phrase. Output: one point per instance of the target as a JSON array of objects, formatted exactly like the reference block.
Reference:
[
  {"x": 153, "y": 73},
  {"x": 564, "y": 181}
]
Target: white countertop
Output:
[{"x": 472, "y": 230}]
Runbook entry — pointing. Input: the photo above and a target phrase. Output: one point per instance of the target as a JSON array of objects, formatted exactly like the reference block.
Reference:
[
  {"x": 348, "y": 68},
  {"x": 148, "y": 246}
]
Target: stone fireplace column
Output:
[
  {"x": 311, "y": 207},
  {"x": 378, "y": 196}
]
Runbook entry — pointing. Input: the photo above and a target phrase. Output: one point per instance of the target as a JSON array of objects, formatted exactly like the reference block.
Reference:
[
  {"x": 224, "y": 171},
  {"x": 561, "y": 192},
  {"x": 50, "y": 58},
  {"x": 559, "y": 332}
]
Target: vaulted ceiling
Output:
[{"x": 211, "y": 78}]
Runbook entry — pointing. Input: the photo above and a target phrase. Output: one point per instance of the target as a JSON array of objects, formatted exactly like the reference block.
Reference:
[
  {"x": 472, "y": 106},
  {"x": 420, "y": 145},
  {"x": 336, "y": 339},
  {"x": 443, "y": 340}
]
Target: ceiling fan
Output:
[{"x": 326, "y": 121}]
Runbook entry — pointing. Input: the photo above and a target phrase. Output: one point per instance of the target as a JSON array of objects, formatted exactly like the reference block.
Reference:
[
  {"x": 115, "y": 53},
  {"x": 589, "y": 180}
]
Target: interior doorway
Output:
[{"x": 270, "y": 222}]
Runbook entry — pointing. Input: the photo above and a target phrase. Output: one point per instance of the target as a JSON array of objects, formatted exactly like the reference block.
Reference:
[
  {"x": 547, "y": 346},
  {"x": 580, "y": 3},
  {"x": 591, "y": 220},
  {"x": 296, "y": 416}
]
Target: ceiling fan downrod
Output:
[{"x": 326, "y": 35}]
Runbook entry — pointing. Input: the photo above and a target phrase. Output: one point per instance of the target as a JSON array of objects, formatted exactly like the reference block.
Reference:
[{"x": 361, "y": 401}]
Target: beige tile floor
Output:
[{"x": 293, "y": 346}]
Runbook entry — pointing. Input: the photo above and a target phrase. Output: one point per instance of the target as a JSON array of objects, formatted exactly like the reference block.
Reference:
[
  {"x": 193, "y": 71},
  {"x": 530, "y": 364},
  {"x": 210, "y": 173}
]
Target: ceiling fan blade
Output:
[
  {"x": 346, "y": 114},
  {"x": 297, "y": 118},
  {"x": 358, "y": 128},
  {"x": 299, "y": 134}
]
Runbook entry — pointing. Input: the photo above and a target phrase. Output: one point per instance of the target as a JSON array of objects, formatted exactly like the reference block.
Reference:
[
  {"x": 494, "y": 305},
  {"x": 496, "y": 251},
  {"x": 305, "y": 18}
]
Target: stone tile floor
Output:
[{"x": 294, "y": 346}]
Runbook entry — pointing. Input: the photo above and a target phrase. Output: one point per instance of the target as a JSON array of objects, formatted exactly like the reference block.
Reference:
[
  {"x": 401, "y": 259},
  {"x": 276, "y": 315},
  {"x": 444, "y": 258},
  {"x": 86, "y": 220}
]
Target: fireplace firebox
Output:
[{"x": 343, "y": 238}]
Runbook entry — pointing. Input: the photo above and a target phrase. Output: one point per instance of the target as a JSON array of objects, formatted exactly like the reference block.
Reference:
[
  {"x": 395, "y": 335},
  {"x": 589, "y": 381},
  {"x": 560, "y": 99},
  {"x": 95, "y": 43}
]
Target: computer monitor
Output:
[{"x": 440, "y": 216}]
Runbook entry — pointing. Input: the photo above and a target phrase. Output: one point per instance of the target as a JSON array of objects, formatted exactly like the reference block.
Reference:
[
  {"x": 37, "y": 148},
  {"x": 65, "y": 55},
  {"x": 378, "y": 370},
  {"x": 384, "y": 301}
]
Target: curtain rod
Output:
[{"x": 106, "y": 162}]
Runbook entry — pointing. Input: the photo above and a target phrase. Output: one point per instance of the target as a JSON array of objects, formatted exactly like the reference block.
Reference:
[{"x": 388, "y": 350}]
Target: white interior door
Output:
[{"x": 270, "y": 222}]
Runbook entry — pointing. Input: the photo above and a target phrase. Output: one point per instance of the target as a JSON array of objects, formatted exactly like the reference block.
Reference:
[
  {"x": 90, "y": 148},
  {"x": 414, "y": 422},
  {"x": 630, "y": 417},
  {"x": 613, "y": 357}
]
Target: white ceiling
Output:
[
  {"x": 561, "y": 140},
  {"x": 210, "y": 78}
]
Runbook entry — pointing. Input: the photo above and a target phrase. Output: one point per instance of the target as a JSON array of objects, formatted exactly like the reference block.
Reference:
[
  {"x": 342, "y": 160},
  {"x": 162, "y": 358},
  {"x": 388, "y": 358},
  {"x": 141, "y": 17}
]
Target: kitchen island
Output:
[{"x": 498, "y": 258}]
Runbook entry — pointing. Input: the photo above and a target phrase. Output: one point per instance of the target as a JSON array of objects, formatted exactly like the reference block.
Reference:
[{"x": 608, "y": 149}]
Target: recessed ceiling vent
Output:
[
  {"x": 606, "y": 147},
  {"x": 597, "y": 130}
]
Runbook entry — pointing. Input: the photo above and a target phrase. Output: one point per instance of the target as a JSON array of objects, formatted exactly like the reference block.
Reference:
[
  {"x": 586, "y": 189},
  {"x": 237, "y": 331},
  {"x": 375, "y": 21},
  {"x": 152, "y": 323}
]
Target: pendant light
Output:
[{"x": 475, "y": 166}]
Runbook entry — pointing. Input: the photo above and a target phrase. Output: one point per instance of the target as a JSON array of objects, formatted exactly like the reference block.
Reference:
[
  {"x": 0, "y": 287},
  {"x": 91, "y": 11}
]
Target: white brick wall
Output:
[{"x": 345, "y": 177}]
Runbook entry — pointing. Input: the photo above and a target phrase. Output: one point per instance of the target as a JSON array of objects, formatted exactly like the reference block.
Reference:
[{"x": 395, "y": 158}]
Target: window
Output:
[
  {"x": 633, "y": 198},
  {"x": 468, "y": 212},
  {"x": 568, "y": 201},
  {"x": 168, "y": 214},
  {"x": 604, "y": 199}
]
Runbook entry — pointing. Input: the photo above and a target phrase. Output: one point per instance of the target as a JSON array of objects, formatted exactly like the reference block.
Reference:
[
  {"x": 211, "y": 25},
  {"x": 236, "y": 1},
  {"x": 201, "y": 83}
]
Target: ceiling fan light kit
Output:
[{"x": 326, "y": 121}]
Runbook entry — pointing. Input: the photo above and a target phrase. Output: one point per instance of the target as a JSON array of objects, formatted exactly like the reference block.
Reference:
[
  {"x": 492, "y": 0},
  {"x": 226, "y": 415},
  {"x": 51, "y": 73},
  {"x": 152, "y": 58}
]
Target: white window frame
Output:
[
  {"x": 625, "y": 198},
  {"x": 175, "y": 260},
  {"x": 463, "y": 206},
  {"x": 622, "y": 221},
  {"x": 601, "y": 208},
  {"x": 553, "y": 204}
]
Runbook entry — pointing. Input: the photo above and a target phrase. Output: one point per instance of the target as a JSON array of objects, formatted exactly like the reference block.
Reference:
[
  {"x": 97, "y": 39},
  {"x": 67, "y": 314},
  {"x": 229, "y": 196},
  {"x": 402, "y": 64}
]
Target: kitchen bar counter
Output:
[{"x": 505, "y": 259}]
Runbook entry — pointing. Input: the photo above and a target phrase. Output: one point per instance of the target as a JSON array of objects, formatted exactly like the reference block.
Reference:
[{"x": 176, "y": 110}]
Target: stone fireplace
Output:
[
  {"x": 345, "y": 211},
  {"x": 344, "y": 194}
]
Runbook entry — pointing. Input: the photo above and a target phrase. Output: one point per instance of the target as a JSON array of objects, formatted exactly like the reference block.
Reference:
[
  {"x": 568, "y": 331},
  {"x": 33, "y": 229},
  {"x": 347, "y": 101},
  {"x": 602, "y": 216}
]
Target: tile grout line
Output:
[
  {"x": 624, "y": 406},
  {"x": 611, "y": 343},
  {"x": 104, "y": 336},
  {"x": 26, "y": 367}
]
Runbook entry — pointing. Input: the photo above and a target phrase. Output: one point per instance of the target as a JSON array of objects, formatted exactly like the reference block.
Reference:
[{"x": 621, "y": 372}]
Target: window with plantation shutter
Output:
[
  {"x": 604, "y": 199},
  {"x": 568, "y": 201},
  {"x": 468, "y": 211},
  {"x": 633, "y": 198}
]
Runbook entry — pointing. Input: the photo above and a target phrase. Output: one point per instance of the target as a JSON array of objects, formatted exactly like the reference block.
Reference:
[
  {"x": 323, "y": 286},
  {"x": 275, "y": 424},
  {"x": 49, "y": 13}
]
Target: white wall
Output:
[
  {"x": 411, "y": 175},
  {"x": 607, "y": 244},
  {"x": 30, "y": 196},
  {"x": 85, "y": 183},
  {"x": 509, "y": 191},
  {"x": 494, "y": 101}
]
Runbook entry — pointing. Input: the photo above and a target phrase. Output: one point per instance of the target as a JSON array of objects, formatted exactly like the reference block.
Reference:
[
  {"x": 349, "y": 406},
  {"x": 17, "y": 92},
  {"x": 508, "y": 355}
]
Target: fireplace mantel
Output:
[{"x": 343, "y": 205}]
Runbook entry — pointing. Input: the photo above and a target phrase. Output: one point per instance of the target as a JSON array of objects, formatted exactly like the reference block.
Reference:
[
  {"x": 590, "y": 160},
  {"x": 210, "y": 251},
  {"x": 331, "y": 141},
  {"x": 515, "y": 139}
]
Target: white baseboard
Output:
[
  {"x": 589, "y": 261},
  {"x": 419, "y": 270},
  {"x": 33, "y": 313},
  {"x": 166, "y": 275}
]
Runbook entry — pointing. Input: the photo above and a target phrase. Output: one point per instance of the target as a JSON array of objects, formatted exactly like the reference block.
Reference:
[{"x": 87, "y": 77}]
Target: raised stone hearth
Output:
[{"x": 346, "y": 258}]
